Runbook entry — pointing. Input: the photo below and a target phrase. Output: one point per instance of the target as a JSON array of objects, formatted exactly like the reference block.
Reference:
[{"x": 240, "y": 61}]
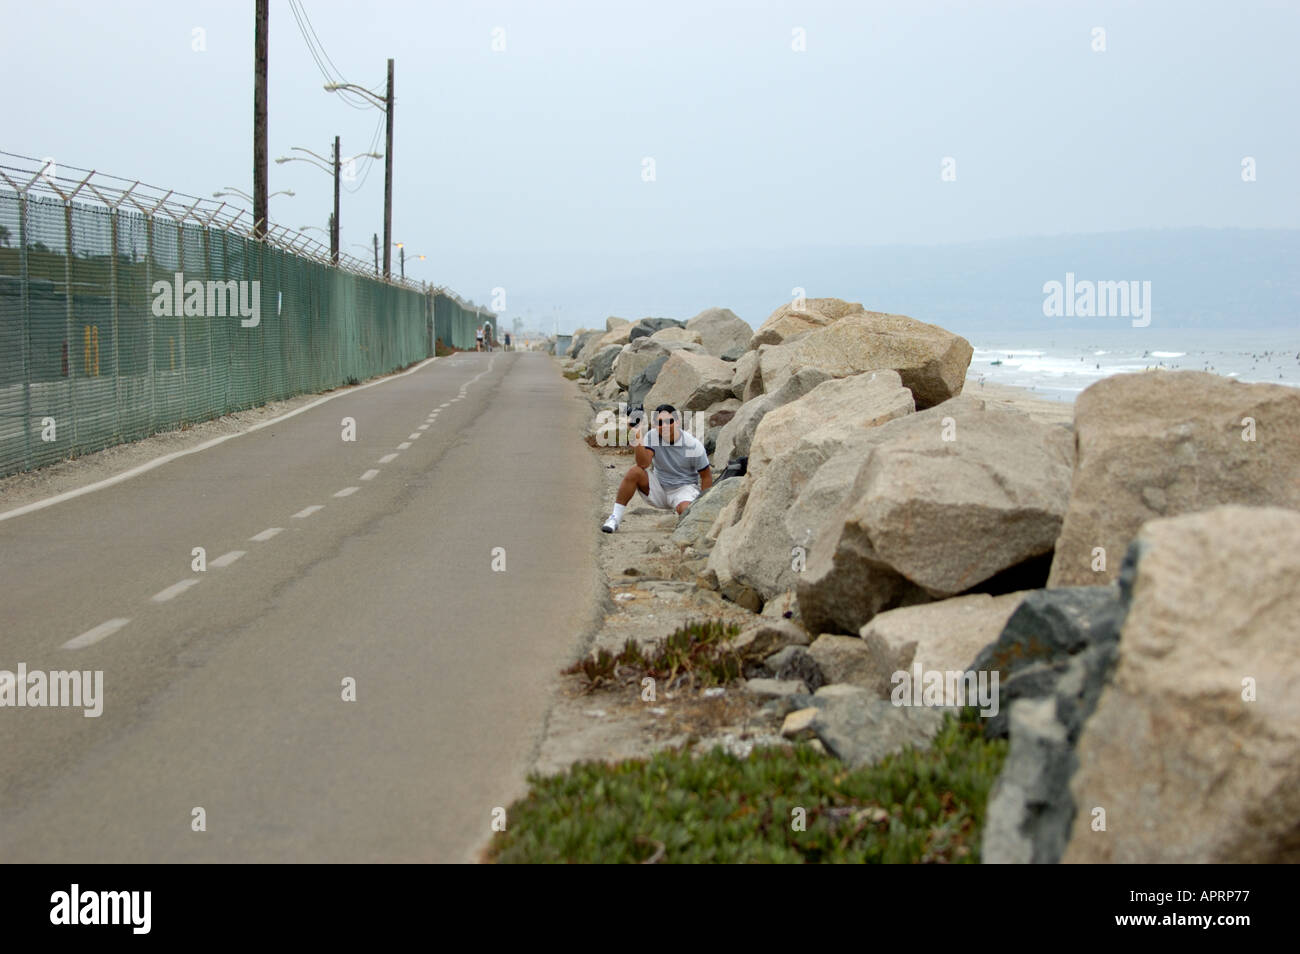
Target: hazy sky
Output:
[{"x": 524, "y": 168}]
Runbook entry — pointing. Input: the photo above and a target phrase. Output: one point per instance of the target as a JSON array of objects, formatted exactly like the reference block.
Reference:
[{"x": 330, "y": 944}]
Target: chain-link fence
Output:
[{"x": 123, "y": 313}]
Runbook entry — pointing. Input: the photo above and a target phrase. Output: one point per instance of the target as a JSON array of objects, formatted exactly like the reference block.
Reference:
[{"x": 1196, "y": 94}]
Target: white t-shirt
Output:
[{"x": 679, "y": 463}]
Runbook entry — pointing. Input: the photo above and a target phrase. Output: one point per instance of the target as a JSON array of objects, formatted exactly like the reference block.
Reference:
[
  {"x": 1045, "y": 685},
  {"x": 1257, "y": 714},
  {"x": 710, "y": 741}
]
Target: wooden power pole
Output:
[
  {"x": 259, "y": 122},
  {"x": 388, "y": 181}
]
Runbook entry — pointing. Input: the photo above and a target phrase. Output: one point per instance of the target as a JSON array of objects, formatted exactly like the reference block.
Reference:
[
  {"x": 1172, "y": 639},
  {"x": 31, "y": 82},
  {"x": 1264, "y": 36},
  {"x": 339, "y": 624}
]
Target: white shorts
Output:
[{"x": 669, "y": 499}]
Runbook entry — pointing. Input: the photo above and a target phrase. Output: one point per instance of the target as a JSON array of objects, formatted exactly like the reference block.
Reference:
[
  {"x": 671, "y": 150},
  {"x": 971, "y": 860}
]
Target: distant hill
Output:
[{"x": 1201, "y": 278}]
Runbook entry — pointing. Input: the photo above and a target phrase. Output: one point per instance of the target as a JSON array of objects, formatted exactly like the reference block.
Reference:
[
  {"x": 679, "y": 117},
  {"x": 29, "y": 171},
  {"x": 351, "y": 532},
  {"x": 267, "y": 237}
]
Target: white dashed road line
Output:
[
  {"x": 404, "y": 445},
  {"x": 266, "y": 534},
  {"x": 159, "y": 461},
  {"x": 92, "y": 636},
  {"x": 370, "y": 474},
  {"x": 227, "y": 558},
  {"x": 388, "y": 458},
  {"x": 308, "y": 511},
  {"x": 176, "y": 589},
  {"x": 347, "y": 491}
]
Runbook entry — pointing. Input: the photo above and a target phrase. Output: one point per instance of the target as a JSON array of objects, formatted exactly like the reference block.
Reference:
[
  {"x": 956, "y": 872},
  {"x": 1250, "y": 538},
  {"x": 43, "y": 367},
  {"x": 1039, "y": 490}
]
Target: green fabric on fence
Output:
[{"x": 94, "y": 349}]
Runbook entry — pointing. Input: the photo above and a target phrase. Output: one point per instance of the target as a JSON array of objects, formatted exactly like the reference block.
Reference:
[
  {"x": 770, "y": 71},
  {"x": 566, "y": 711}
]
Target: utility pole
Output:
[
  {"x": 334, "y": 223},
  {"x": 259, "y": 121},
  {"x": 402, "y": 250},
  {"x": 376, "y": 253},
  {"x": 388, "y": 178}
]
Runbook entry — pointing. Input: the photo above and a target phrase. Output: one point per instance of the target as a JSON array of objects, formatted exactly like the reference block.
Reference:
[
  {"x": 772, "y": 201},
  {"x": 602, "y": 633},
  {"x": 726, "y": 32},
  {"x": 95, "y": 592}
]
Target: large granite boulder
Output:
[
  {"x": 931, "y": 361},
  {"x": 802, "y": 316},
  {"x": 721, "y": 331},
  {"x": 830, "y": 408},
  {"x": 782, "y": 507},
  {"x": 946, "y": 500},
  {"x": 639, "y": 354},
  {"x": 741, "y": 378},
  {"x": 1158, "y": 444},
  {"x": 693, "y": 526},
  {"x": 612, "y": 322},
  {"x": 618, "y": 335},
  {"x": 690, "y": 382},
  {"x": 1194, "y": 748},
  {"x": 678, "y": 336},
  {"x": 939, "y": 637},
  {"x": 735, "y": 437}
]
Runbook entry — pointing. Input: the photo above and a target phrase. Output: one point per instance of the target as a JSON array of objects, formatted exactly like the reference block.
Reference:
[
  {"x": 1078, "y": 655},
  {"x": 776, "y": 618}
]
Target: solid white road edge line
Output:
[{"x": 167, "y": 458}]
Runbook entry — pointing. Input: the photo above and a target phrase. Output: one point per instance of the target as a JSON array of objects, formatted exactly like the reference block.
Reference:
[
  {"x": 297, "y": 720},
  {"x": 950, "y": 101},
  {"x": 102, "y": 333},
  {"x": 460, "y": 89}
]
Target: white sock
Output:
[{"x": 618, "y": 510}]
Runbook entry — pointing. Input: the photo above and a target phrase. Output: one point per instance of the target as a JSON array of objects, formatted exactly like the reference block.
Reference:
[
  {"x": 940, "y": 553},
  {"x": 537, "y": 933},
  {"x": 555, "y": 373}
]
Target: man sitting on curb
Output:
[{"x": 680, "y": 471}]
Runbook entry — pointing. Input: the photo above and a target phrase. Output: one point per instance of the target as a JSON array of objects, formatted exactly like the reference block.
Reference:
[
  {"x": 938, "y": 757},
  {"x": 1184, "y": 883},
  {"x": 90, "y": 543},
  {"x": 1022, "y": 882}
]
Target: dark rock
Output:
[
  {"x": 602, "y": 365},
  {"x": 648, "y": 326},
  {"x": 719, "y": 418},
  {"x": 795, "y": 662},
  {"x": 643, "y": 382},
  {"x": 1053, "y": 658},
  {"x": 861, "y": 730}
]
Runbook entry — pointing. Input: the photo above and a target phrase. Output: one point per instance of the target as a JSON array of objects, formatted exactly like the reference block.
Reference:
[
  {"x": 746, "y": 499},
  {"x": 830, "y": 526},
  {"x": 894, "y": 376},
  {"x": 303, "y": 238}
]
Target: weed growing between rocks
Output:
[
  {"x": 697, "y": 654},
  {"x": 924, "y": 806},
  {"x": 573, "y": 375}
]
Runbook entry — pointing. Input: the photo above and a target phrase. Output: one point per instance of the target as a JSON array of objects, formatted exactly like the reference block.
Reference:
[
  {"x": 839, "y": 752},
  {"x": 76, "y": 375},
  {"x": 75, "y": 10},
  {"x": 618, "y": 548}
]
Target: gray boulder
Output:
[
  {"x": 1194, "y": 748},
  {"x": 695, "y": 523},
  {"x": 946, "y": 500},
  {"x": 691, "y": 382},
  {"x": 603, "y": 363},
  {"x": 736, "y": 435},
  {"x": 795, "y": 662},
  {"x": 721, "y": 330},
  {"x": 800, "y": 317},
  {"x": 1165, "y": 443},
  {"x": 932, "y": 361},
  {"x": 861, "y": 730}
]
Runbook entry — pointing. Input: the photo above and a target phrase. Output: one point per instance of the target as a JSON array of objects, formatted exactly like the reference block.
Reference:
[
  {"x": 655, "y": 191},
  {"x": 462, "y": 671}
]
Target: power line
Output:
[
  {"x": 374, "y": 144},
  {"x": 300, "y": 17}
]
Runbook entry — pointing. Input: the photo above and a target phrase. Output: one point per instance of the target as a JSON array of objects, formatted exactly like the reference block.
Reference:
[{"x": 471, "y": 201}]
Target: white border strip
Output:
[{"x": 168, "y": 458}]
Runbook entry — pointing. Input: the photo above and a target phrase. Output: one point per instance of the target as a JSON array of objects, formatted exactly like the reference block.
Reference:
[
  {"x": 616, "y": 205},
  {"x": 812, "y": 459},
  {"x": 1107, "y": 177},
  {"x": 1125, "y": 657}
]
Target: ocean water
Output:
[{"x": 1059, "y": 365}]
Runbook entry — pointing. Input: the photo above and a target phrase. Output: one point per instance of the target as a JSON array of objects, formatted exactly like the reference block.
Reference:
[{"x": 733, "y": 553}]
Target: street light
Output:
[
  {"x": 334, "y": 226},
  {"x": 231, "y": 190},
  {"x": 387, "y": 105},
  {"x": 401, "y": 247}
]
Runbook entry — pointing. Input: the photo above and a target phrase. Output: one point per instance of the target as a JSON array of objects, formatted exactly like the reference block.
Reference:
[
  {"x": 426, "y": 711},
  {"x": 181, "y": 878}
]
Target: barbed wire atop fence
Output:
[{"x": 72, "y": 184}]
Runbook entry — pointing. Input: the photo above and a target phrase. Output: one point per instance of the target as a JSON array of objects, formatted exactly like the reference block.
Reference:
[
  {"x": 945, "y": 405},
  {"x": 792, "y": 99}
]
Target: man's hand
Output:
[{"x": 644, "y": 456}]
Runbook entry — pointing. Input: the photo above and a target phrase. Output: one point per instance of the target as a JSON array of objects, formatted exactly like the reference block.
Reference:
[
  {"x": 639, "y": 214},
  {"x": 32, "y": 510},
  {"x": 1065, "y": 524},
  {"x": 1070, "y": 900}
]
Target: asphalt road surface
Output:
[{"x": 327, "y": 560}]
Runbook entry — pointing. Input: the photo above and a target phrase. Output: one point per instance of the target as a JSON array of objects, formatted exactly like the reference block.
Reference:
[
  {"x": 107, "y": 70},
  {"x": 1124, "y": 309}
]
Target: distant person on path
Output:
[
  {"x": 671, "y": 470},
  {"x": 478, "y": 339},
  {"x": 507, "y": 341}
]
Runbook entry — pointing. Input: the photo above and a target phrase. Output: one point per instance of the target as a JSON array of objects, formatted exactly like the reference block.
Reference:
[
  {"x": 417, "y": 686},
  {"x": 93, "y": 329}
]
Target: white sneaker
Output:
[{"x": 610, "y": 525}]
